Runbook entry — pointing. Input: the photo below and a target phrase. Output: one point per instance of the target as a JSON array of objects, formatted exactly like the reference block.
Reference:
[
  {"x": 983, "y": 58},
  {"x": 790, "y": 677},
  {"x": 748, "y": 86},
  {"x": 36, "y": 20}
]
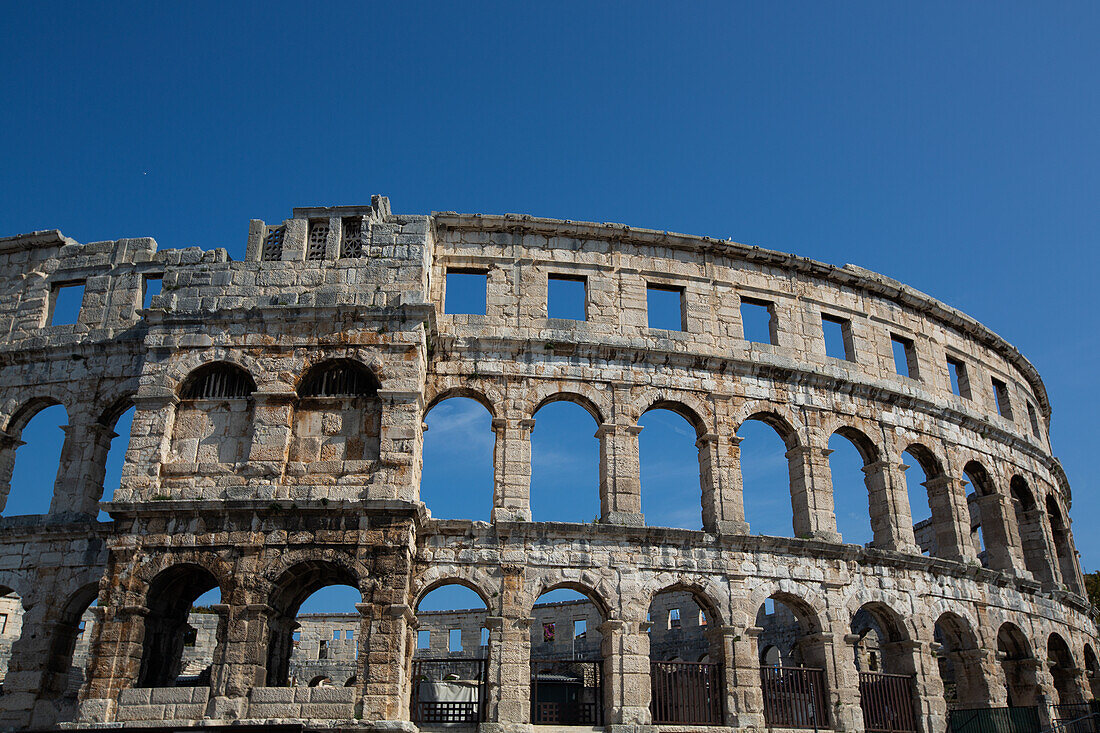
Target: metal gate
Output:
[
  {"x": 566, "y": 692},
  {"x": 887, "y": 702},
  {"x": 453, "y": 678},
  {"x": 994, "y": 720},
  {"x": 686, "y": 693},
  {"x": 794, "y": 697}
]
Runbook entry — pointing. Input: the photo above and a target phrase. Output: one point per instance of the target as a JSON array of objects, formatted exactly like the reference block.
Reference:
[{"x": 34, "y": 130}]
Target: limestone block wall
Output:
[{"x": 276, "y": 447}]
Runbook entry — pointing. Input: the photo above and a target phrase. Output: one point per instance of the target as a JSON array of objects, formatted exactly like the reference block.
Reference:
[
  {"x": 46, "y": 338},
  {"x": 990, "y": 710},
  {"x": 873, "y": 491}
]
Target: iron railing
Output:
[
  {"x": 994, "y": 720},
  {"x": 794, "y": 697},
  {"x": 686, "y": 693},
  {"x": 443, "y": 670},
  {"x": 565, "y": 692},
  {"x": 1076, "y": 718},
  {"x": 887, "y": 702}
]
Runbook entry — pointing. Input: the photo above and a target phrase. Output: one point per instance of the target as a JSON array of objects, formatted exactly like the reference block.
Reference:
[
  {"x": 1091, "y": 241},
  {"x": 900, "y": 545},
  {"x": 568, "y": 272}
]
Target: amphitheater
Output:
[{"x": 279, "y": 406}]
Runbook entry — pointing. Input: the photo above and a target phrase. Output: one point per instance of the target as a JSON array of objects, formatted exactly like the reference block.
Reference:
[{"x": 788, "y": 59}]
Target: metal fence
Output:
[
  {"x": 794, "y": 697},
  {"x": 994, "y": 720},
  {"x": 467, "y": 677},
  {"x": 686, "y": 693},
  {"x": 1076, "y": 718},
  {"x": 887, "y": 702},
  {"x": 565, "y": 692}
]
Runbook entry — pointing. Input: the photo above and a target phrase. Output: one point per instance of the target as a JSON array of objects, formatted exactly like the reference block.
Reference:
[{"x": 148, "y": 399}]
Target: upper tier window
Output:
[
  {"x": 466, "y": 292},
  {"x": 338, "y": 379},
  {"x": 218, "y": 382}
]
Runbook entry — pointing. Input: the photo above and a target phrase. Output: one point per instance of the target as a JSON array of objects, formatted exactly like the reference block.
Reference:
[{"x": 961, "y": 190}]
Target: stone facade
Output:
[{"x": 276, "y": 448}]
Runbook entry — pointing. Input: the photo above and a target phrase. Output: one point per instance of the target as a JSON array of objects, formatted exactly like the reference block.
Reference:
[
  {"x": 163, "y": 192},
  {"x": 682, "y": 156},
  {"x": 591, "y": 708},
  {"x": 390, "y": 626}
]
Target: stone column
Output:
[
  {"x": 380, "y": 670},
  {"x": 267, "y": 455},
  {"x": 512, "y": 469},
  {"x": 891, "y": 519},
  {"x": 720, "y": 477},
  {"x": 847, "y": 705},
  {"x": 812, "y": 493},
  {"x": 620, "y": 480},
  {"x": 240, "y": 661},
  {"x": 744, "y": 696},
  {"x": 8, "y": 445},
  {"x": 118, "y": 637},
  {"x": 150, "y": 440},
  {"x": 509, "y": 687},
  {"x": 915, "y": 658},
  {"x": 27, "y": 666},
  {"x": 997, "y": 522},
  {"x": 625, "y": 650},
  {"x": 1036, "y": 545},
  {"x": 950, "y": 518},
  {"x": 79, "y": 484},
  {"x": 401, "y": 443}
]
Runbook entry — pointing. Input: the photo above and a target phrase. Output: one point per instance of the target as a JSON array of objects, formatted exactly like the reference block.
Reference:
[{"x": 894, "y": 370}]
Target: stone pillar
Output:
[
  {"x": 118, "y": 638},
  {"x": 150, "y": 439},
  {"x": 381, "y": 668},
  {"x": 744, "y": 696},
  {"x": 625, "y": 650},
  {"x": 915, "y": 658},
  {"x": 950, "y": 518},
  {"x": 847, "y": 705},
  {"x": 812, "y": 493},
  {"x": 509, "y": 689},
  {"x": 271, "y": 417},
  {"x": 976, "y": 676},
  {"x": 27, "y": 665},
  {"x": 8, "y": 445},
  {"x": 240, "y": 659},
  {"x": 79, "y": 484},
  {"x": 997, "y": 523},
  {"x": 1036, "y": 546},
  {"x": 512, "y": 469},
  {"x": 891, "y": 519},
  {"x": 720, "y": 478},
  {"x": 401, "y": 443},
  {"x": 620, "y": 479}
]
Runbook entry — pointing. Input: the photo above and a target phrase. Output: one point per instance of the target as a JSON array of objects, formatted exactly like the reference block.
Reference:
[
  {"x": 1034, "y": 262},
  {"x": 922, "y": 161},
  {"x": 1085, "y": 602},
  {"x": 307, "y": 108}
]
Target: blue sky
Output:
[{"x": 952, "y": 146}]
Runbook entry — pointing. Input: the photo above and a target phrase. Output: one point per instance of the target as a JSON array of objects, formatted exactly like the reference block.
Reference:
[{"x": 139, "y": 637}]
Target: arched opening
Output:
[
  {"x": 852, "y": 453},
  {"x": 1092, "y": 672},
  {"x": 671, "y": 472},
  {"x": 337, "y": 422},
  {"x": 457, "y": 479},
  {"x": 1018, "y": 665},
  {"x": 450, "y": 659},
  {"x": 1063, "y": 671},
  {"x": 11, "y": 628},
  {"x": 565, "y": 464},
  {"x": 923, "y": 466},
  {"x": 1062, "y": 548},
  {"x": 886, "y": 669},
  {"x": 957, "y": 659},
  {"x": 173, "y": 655},
  {"x": 566, "y": 659},
  {"x": 685, "y": 693},
  {"x": 792, "y": 664},
  {"x": 68, "y": 655},
  {"x": 313, "y": 606},
  {"x": 766, "y": 475},
  {"x": 1030, "y": 528},
  {"x": 980, "y": 485},
  {"x": 120, "y": 425},
  {"x": 320, "y": 680},
  {"x": 213, "y": 424},
  {"x": 32, "y": 454}
]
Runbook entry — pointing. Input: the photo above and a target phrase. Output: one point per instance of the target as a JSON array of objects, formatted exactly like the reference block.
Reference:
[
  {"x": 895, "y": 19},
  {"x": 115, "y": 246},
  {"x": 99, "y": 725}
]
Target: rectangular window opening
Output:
[
  {"x": 838, "y": 337},
  {"x": 297, "y": 636},
  {"x": 674, "y": 618},
  {"x": 65, "y": 302},
  {"x": 454, "y": 640},
  {"x": 566, "y": 297},
  {"x": 150, "y": 288},
  {"x": 484, "y": 637},
  {"x": 349, "y": 634},
  {"x": 318, "y": 237},
  {"x": 580, "y": 628},
  {"x": 664, "y": 307},
  {"x": 960, "y": 381},
  {"x": 354, "y": 237},
  {"x": 758, "y": 321},
  {"x": 1000, "y": 396},
  {"x": 905, "y": 356},
  {"x": 423, "y": 639},
  {"x": 466, "y": 292},
  {"x": 1033, "y": 418},
  {"x": 336, "y": 635}
]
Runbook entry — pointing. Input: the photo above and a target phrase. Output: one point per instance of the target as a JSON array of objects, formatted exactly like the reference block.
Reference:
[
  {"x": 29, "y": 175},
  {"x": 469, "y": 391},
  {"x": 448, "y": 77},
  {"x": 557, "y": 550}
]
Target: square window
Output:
[
  {"x": 960, "y": 381},
  {"x": 423, "y": 639},
  {"x": 566, "y": 297},
  {"x": 466, "y": 292},
  {"x": 758, "y": 321},
  {"x": 664, "y": 307},
  {"x": 65, "y": 302},
  {"x": 838, "y": 337},
  {"x": 297, "y": 636},
  {"x": 905, "y": 356},
  {"x": 150, "y": 287},
  {"x": 1033, "y": 418},
  {"x": 349, "y": 634},
  {"x": 1000, "y": 396},
  {"x": 454, "y": 640}
]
